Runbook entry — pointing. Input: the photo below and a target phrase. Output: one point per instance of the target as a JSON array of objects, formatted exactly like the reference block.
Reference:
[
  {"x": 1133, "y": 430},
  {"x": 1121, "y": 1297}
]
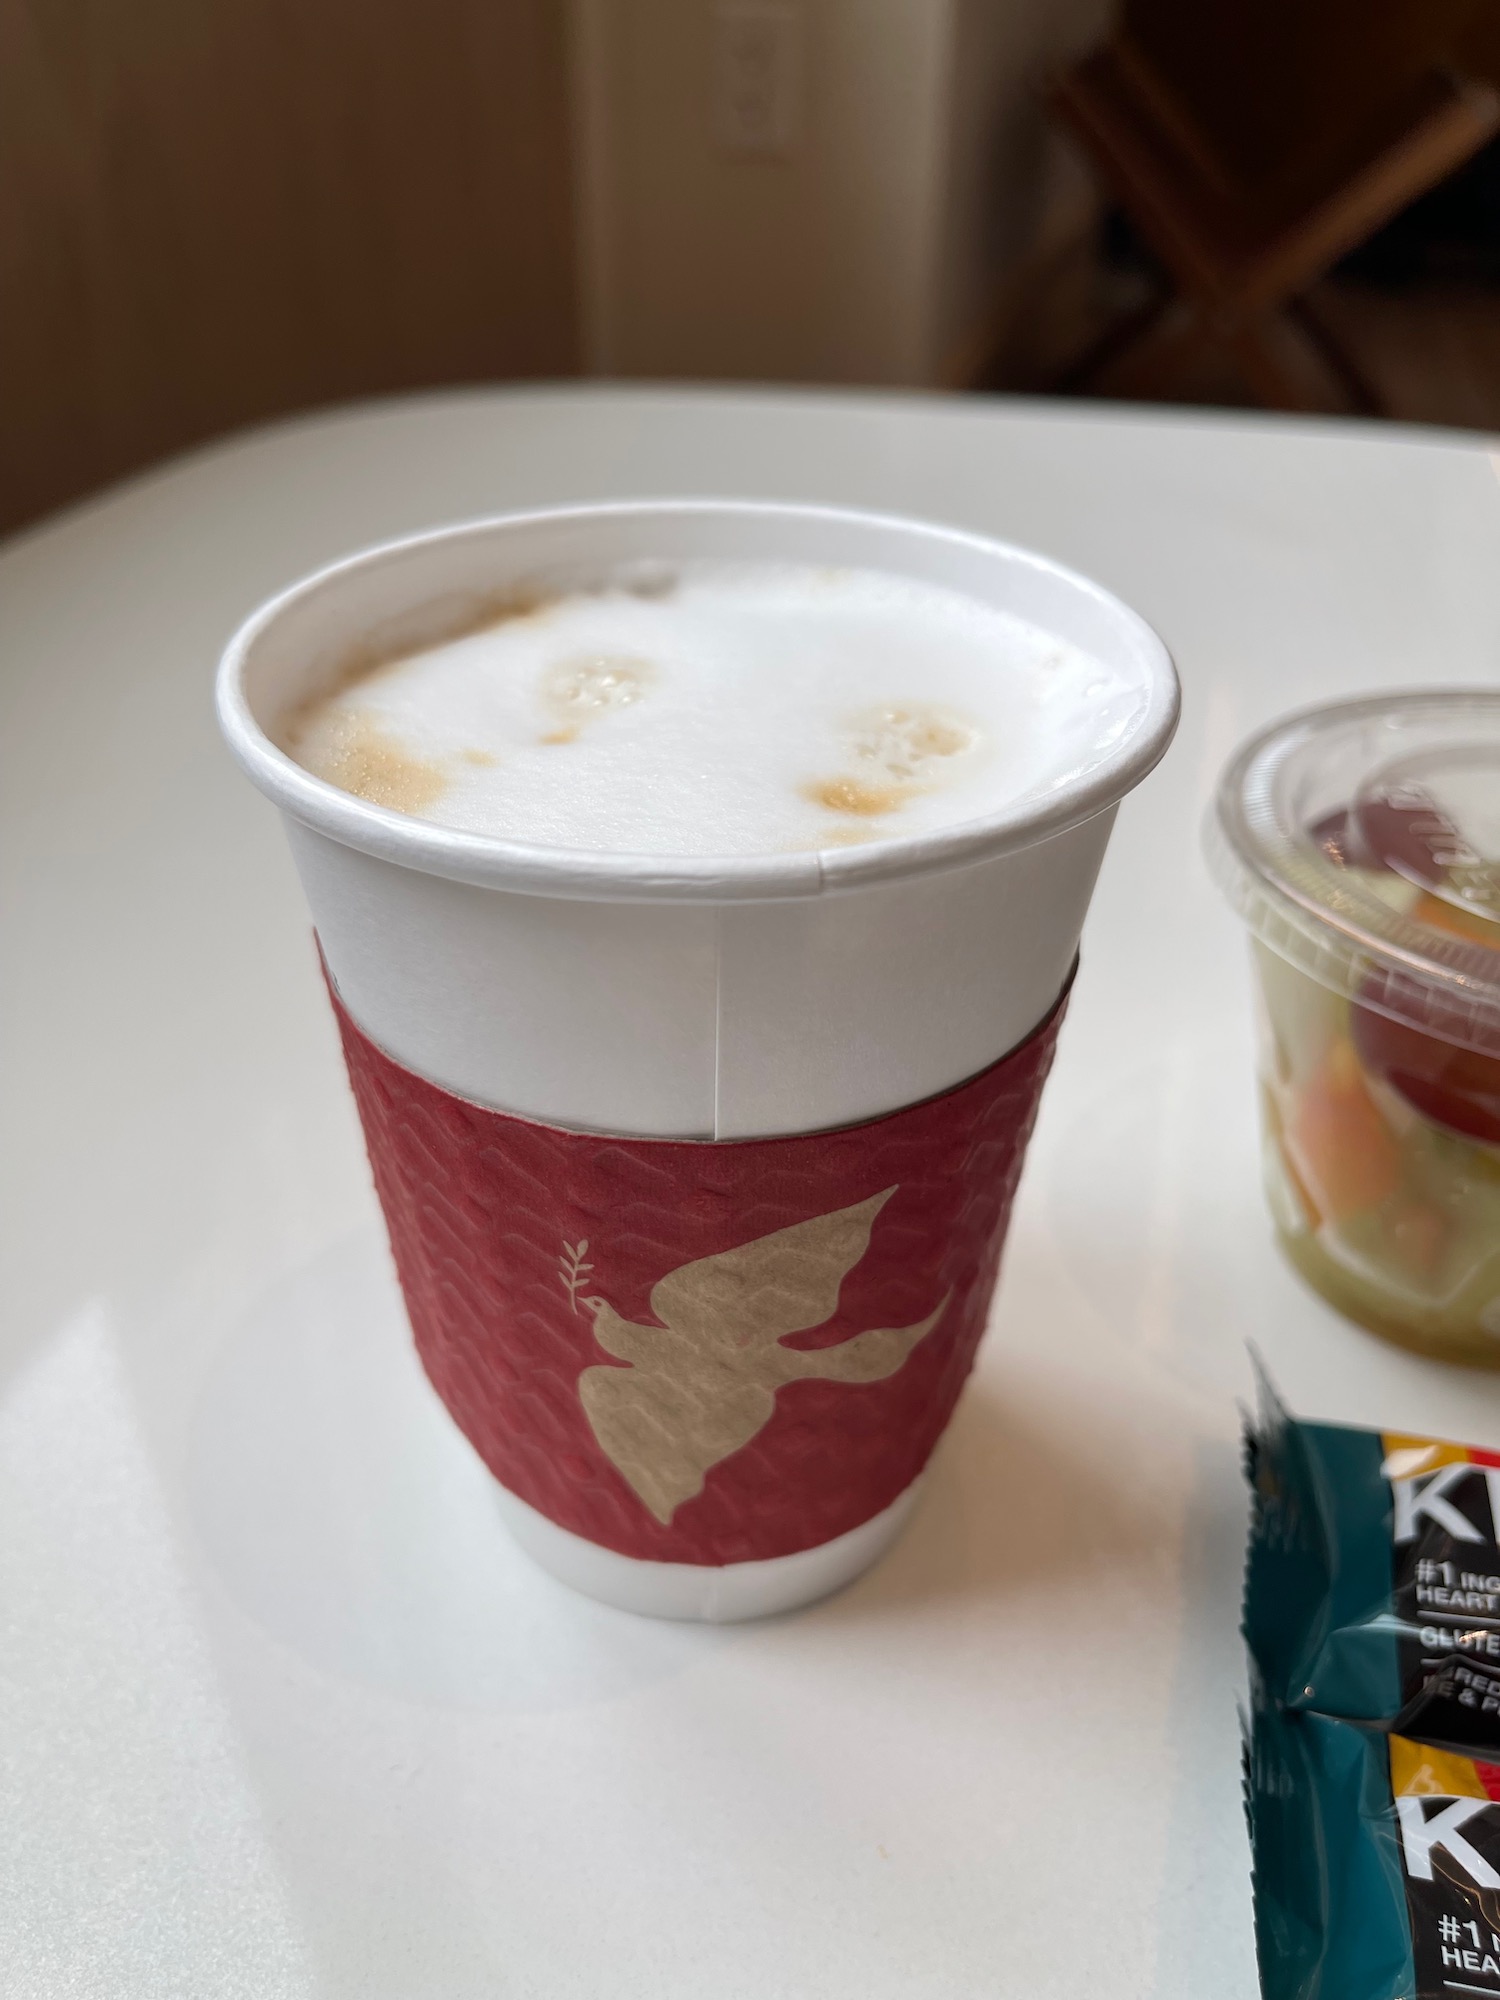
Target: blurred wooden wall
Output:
[{"x": 215, "y": 211}]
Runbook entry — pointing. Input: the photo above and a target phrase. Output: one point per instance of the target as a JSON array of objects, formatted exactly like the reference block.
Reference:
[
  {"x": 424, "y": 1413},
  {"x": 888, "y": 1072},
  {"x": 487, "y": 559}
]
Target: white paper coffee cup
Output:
[{"x": 678, "y": 997}]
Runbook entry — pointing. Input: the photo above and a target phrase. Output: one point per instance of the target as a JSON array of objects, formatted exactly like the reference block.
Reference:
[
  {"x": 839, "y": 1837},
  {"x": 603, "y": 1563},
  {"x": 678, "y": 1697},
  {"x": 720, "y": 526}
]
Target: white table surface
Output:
[{"x": 281, "y": 1711}]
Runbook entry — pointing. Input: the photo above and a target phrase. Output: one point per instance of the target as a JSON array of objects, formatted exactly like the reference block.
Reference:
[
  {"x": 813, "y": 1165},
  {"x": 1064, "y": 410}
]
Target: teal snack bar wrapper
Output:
[
  {"x": 1372, "y": 1584},
  {"x": 1376, "y": 1862}
]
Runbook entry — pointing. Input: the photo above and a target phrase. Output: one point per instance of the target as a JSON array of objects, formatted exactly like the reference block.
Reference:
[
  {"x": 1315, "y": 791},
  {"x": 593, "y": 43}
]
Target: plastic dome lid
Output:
[{"x": 1361, "y": 842}]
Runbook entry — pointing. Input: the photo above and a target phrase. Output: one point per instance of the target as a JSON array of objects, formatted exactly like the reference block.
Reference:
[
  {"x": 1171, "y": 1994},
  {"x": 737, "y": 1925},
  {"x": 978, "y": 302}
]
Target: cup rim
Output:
[{"x": 616, "y": 876}]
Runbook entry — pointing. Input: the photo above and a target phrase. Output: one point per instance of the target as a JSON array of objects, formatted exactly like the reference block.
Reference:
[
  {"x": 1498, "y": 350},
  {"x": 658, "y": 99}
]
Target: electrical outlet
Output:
[{"x": 757, "y": 83}]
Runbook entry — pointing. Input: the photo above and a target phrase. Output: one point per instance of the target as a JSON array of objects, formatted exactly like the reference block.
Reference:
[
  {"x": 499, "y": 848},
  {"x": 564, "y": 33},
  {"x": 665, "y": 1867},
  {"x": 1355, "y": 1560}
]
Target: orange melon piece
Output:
[
  {"x": 1465, "y": 924},
  {"x": 1346, "y": 1154}
]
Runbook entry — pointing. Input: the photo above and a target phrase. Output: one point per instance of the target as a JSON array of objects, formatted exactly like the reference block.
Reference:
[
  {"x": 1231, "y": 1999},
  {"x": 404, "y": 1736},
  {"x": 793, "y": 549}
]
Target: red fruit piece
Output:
[{"x": 1457, "y": 1088}]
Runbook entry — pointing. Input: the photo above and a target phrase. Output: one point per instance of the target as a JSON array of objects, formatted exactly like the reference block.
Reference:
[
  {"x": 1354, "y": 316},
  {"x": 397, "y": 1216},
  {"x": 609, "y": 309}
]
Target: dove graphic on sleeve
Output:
[{"x": 702, "y": 1383}]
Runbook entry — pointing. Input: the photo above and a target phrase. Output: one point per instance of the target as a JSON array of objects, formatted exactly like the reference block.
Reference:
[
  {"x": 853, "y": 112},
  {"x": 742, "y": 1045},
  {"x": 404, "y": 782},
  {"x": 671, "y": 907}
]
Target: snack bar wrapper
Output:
[
  {"x": 1377, "y": 1862},
  {"x": 1372, "y": 1585}
]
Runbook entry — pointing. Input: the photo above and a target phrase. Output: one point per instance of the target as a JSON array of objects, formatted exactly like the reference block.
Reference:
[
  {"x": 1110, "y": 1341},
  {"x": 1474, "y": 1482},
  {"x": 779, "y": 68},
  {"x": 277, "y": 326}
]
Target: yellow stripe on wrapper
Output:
[
  {"x": 1406, "y": 1456},
  {"x": 1419, "y": 1771}
]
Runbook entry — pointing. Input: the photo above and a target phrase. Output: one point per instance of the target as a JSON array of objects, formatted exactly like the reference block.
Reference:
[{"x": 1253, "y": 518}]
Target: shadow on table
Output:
[
  {"x": 1017, "y": 1503},
  {"x": 1205, "y": 1938},
  {"x": 343, "y": 1515}
]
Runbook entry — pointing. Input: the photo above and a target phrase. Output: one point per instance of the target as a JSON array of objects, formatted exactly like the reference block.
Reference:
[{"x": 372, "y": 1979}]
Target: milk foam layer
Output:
[{"x": 721, "y": 710}]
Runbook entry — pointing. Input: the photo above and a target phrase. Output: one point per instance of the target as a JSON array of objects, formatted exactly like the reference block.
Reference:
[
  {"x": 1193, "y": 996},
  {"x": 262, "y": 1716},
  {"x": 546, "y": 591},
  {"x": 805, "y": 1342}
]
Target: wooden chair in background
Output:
[{"x": 1254, "y": 143}]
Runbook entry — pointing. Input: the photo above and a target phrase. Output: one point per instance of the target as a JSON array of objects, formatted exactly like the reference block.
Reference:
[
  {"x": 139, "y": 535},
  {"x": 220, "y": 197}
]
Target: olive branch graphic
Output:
[{"x": 572, "y": 1269}]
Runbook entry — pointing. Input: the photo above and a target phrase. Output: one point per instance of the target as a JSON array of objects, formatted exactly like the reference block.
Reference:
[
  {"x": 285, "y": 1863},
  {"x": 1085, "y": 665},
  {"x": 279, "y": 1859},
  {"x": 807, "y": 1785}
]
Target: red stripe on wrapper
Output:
[{"x": 694, "y": 1351}]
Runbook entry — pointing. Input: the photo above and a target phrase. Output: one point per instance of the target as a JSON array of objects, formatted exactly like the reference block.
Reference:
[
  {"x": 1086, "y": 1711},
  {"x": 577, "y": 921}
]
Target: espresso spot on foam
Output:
[
  {"x": 909, "y": 745},
  {"x": 577, "y": 691},
  {"x": 361, "y": 758},
  {"x": 486, "y": 759},
  {"x": 895, "y": 753},
  {"x": 853, "y": 795}
]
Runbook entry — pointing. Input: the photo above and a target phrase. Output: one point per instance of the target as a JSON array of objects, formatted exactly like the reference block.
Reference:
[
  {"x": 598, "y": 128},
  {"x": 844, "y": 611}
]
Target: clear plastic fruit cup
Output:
[{"x": 1360, "y": 842}]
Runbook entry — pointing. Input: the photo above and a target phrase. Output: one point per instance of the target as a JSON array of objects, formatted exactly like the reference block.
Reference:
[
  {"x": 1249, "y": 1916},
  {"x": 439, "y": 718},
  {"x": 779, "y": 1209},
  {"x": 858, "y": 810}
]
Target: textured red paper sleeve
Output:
[{"x": 694, "y": 1351}]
